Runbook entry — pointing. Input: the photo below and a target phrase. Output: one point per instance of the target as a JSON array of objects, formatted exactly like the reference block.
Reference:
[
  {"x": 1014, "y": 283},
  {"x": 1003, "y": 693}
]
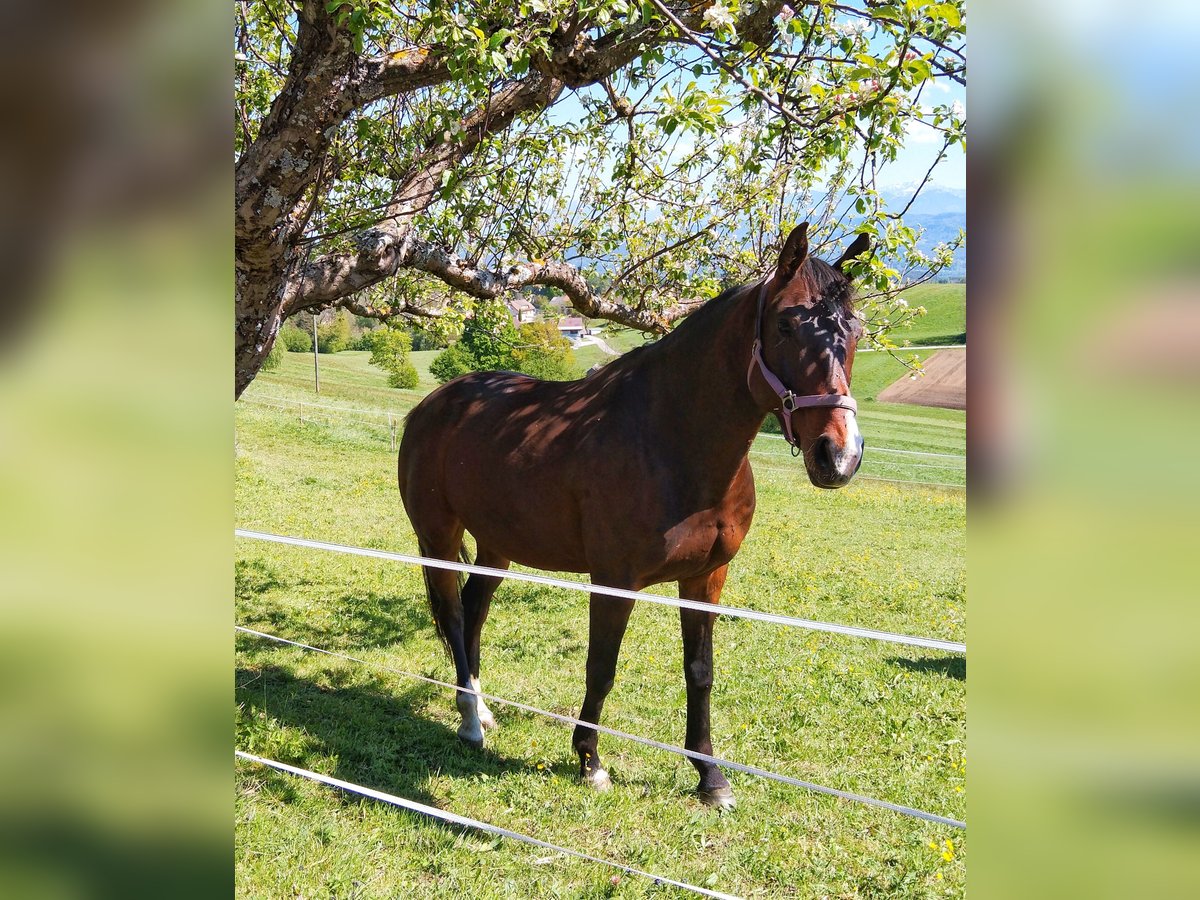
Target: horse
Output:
[{"x": 637, "y": 474}]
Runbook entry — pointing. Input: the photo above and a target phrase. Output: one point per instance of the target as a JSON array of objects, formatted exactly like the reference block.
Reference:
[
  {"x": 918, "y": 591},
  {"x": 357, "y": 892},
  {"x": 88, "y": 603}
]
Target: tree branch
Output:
[
  {"x": 417, "y": 254},
  {"x": 398, "y": 73},
  {"x": 390, "y": 245},
  {"x": 725, "y": 67},
  {"x": 326, "y": 82}
]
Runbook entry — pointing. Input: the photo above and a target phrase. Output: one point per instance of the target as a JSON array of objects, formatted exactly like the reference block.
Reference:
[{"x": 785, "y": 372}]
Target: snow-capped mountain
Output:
[{"x": 941, "y": 211}]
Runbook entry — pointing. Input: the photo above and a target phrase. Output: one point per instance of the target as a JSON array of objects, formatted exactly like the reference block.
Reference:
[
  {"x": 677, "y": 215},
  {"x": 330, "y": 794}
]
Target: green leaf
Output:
[
  {"x": 919, "y": 68},
  {"x": 946, "y": 12}
]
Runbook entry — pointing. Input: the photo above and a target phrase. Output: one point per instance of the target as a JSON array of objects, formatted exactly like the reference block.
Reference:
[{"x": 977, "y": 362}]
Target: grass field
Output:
[
  {"x": 359, "y": 390},
  {"x": 863, "y": 716},
  {"x": 945, "y": 319},
  {"x": 945, "y": 322}
]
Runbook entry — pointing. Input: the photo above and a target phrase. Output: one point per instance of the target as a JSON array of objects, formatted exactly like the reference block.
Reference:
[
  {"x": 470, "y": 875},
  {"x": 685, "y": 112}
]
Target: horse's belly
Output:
[{"x": 547, "y": 543}]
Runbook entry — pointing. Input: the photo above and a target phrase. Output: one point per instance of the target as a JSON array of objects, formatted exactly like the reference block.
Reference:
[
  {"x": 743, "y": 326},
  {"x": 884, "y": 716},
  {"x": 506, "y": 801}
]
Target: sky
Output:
[{"x": 922, "y": 145}]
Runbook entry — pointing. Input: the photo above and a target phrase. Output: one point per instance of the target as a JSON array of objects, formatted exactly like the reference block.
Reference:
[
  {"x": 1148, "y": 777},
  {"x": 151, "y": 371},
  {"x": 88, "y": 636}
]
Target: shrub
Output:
[
  {"x": 404, "y": 377},
  {"x": 273, "y": 358},
  {"x": 389, "y": 351},
  {"x": 455, "y": 360},
  {"x": 295, "y": 339}
]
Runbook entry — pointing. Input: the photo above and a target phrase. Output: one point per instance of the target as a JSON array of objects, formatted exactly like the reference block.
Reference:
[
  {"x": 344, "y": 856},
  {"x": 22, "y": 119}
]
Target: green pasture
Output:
[
  {"x": 945, "y": 319},
  {"x": 872, "y": 718},
  {"x": 358, "y": 391}
]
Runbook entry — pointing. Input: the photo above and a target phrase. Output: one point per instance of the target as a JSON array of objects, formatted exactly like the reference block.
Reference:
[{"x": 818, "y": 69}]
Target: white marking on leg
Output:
[
  {"x": 486, "y": 719},
  {"x": 597, "y": 780},
  {"x": 471, "y": 730},
  {"x": 594, "y": 776}
]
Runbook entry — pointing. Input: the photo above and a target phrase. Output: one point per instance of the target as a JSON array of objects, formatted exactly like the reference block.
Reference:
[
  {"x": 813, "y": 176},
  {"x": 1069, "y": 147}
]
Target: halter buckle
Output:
[{"x": 789, "y": 402}]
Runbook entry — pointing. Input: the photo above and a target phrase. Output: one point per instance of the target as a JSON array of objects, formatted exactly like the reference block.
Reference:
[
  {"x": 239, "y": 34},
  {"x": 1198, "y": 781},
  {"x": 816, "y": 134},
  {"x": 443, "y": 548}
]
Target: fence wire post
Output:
[
  {"x": 391, "y": 433},
  {"x": 301, "y": 413}
]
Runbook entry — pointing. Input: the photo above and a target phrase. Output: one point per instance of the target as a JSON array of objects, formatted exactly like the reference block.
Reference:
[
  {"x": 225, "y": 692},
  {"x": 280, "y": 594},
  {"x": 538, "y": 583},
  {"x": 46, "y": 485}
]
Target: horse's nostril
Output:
[{"x": 823, "y": 452}]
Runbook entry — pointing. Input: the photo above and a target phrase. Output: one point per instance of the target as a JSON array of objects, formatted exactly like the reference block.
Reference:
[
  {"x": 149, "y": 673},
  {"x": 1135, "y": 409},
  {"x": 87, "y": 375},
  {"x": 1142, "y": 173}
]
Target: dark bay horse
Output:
[{"x": 637, "y": 474}]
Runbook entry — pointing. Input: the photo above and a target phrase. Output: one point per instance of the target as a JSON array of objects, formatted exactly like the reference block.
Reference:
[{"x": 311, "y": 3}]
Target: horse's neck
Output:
[{"x": 699, "y": 373}]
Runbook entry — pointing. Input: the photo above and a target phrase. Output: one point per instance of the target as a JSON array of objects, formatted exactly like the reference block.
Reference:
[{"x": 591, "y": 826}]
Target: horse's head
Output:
[{"x": 809, "y": 333}]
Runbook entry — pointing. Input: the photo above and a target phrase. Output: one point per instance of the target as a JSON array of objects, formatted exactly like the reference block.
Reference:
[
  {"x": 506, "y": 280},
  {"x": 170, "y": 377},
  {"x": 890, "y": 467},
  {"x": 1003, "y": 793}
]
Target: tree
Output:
[
  {"x": 425, "y": 340},
  {"x": 490, "y": 341},
  {"x": 543, "y": 352},
  {"x": 387, "y": 150},
  {"x": 389, "y": 351},
  {"x": 334, "y": 336}
]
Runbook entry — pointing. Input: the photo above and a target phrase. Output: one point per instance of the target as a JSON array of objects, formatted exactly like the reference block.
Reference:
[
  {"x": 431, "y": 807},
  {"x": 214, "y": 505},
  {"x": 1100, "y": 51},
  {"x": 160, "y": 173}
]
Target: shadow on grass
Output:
[
  {"x": 363, "y": 618},
  {"x": 379, "y": 737},
  {"x": 949, "y": 666}
]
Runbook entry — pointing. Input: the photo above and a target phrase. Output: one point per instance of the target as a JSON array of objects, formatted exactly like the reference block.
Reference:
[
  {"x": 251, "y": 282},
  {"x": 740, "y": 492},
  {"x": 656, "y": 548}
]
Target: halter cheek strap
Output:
[{"x": 789, "y": 402}]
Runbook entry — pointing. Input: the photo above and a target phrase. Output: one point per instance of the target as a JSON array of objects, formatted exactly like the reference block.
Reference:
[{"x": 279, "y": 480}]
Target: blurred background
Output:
[
  {"x": 1083, "y": 179},
  {"x": 116, "y": 448}
]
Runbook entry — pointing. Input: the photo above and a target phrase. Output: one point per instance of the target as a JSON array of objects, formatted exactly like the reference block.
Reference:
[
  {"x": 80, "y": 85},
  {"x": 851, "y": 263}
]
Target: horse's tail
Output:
[{"x": 436, "y": 602}]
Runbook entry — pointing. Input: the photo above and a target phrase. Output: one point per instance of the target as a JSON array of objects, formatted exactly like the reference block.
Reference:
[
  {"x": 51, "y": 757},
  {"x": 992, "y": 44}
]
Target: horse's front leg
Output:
[
  {"x": 608, "y": 617},
  {"x": 697, "y": 628}
]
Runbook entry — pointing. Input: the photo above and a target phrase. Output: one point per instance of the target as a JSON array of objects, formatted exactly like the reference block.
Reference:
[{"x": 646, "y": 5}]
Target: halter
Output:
[{"x": 788, "y": 401}]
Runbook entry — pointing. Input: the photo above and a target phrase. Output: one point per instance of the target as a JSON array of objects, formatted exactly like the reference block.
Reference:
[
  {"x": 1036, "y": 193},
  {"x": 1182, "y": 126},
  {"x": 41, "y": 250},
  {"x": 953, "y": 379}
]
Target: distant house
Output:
[
  {"x": 560, "y": 304},
  {"x": 522, "y": 311},
  {"x": 572, "y": 328}
]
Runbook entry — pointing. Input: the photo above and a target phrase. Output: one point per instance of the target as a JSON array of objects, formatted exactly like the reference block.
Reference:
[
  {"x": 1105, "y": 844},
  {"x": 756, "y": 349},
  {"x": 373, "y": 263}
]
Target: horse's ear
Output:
[
  {"x": 861, "y": 244},
  {"x": 795, "y": 249}
]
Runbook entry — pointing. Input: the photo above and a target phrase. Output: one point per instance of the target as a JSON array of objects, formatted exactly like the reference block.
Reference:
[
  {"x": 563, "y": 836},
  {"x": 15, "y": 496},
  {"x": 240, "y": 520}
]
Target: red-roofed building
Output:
[{"x": 521, "y": 310}]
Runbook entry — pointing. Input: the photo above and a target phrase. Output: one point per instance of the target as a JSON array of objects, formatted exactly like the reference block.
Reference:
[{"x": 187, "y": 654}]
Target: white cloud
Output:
[{"x": 920, "y": 133}]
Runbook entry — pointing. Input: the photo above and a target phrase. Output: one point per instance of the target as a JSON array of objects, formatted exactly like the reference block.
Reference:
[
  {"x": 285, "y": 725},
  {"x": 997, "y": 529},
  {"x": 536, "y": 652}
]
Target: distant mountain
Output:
[
  {"x": 941, "y": 211},
  {"x": 934, "y": 199}
]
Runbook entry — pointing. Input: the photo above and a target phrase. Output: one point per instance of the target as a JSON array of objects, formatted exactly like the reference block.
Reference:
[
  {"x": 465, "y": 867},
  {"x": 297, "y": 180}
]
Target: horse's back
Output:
[{"x": 498, "y": 452}]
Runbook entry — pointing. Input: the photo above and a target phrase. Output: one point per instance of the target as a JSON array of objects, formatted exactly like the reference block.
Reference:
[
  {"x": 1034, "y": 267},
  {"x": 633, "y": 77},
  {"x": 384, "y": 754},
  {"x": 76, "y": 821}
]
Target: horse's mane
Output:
[
  {"x": 823, "y": 281},
  {"x": 829, "y": 283}
]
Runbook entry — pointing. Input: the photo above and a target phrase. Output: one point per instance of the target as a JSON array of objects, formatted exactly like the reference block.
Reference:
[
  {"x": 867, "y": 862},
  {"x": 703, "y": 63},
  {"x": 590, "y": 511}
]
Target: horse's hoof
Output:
[
  {"x": 720, "y": 798},
  {"x": 471, "y": 737},
  {"x": 597, "y": 780}
]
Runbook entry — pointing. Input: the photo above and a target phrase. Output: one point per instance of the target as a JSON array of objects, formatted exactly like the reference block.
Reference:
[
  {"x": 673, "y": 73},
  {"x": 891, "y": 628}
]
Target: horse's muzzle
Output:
[{"x": 831, "y": 465}]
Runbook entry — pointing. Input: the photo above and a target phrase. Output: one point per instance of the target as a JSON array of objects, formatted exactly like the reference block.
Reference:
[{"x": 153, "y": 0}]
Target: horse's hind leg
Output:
[
  {"x": 445, "y": 601},
  {"x": 697, "y": 628},
  {"x": 476, "y": 600},
  {"x": 608, "y": 617}
]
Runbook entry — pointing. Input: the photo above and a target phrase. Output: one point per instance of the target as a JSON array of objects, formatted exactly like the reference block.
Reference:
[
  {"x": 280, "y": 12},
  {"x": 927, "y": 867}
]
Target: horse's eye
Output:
[{"x": 785, "y": 325}]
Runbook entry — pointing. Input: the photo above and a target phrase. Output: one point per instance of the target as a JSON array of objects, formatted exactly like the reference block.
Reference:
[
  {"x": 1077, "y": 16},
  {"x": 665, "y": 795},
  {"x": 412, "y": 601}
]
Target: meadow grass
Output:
[
  {"x": 360, "y": 390},
  {"x": 873, "y": 718},
  {"x": 945, "y": 319}
]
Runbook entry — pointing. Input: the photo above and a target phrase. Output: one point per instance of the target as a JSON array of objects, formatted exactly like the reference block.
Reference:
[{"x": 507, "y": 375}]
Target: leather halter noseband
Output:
[{"x": 789, "y": 402}]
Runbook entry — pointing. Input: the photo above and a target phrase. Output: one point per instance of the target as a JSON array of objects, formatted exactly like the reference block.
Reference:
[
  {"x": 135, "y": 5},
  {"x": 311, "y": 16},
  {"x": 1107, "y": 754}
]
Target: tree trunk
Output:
[{"x": 258, "y": 306}]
